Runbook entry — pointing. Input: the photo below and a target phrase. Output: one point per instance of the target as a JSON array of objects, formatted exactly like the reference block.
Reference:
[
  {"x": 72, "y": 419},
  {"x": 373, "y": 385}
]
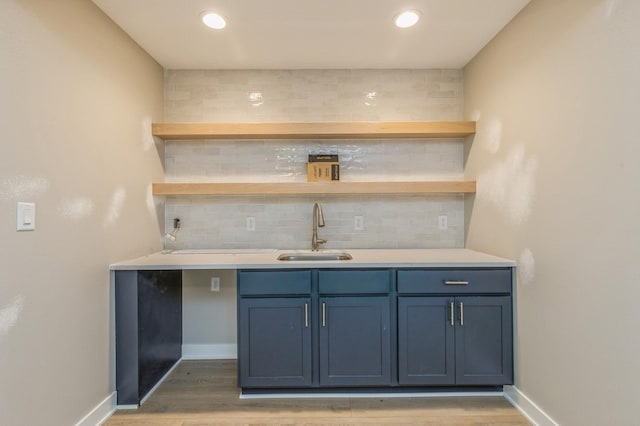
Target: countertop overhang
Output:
[{"x": 362, "y": 258}]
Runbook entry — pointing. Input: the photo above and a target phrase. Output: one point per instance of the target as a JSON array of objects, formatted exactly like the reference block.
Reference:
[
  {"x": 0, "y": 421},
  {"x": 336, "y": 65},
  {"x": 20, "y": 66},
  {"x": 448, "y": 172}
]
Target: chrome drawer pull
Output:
[
  {"x": 306, "y": 315},
  {"x": 456, "y": 282},
  {"x": 451, "y": 309},
  {"x": 324, "y": 315}
]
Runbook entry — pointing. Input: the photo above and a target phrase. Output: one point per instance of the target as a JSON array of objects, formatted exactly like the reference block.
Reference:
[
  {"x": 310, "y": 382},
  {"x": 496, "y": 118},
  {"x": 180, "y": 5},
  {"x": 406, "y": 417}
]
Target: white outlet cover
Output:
[
  {"x": 443, "y": 224},
  {"x": 358, "y": 223},
  {"x": 251, "y": 223},
  {"x": 215, "y": 283}
]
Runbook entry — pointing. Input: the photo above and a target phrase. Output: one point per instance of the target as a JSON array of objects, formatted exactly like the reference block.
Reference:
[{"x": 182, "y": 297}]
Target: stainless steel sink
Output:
[{"x": 313, "y": 256}]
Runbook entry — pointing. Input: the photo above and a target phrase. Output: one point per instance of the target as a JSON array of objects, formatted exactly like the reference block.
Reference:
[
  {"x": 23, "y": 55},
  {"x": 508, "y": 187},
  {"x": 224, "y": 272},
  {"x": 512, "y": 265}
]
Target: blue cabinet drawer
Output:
[
  {"x": 454, "y": 281},
  {"x": 377, "y": 281},
  {"x": 261, "y": 283}
]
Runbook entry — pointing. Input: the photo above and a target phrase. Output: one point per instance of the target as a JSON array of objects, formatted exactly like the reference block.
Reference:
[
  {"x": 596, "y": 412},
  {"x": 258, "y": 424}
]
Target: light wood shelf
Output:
[
  {"x": 314, "y": 188},
  {"x": 320, "y": 130}
]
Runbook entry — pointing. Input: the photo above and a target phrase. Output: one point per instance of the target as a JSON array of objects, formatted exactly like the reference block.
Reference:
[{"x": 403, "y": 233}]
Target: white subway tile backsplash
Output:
[
  {"x": 390, "y": 221},
  {"x": 314, "y": 95}
]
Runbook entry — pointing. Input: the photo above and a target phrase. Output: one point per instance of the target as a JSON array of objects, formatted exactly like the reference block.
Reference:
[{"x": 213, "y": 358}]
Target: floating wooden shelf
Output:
[
  {"x": 324, "y": 130},
  {"x": 314, "y": 188}
]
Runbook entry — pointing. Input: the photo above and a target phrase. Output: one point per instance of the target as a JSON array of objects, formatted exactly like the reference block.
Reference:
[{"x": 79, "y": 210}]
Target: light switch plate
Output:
[{"x": 26, "y": 217}]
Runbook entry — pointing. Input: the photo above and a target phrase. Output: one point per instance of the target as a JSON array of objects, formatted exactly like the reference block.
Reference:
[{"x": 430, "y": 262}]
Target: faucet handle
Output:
[{"x": 316, "y": 243}]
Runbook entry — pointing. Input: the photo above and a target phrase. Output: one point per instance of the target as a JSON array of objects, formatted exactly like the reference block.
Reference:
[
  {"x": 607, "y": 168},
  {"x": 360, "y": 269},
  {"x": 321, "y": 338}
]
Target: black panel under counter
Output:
[{"x": 148, "y": 330}]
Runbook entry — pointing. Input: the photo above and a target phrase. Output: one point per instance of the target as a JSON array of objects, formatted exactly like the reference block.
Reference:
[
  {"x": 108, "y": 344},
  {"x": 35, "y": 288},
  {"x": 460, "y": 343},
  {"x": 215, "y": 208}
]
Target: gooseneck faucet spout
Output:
[{"x": 318, "y": 221}]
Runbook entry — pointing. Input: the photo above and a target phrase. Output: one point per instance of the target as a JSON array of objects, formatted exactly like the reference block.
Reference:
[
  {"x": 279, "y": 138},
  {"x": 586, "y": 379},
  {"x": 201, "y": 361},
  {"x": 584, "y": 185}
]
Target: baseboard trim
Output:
[
  {"x": 218, "y": 351},
  {"x": 101, "y": 412},
  {"x": 527, "y": 407},
  {"x": 367, "y": 395},
  {"x": 127, "y": 407}
]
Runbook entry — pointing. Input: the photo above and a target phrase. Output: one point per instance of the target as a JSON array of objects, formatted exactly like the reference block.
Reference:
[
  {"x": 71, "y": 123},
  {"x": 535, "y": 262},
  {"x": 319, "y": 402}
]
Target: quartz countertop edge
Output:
[{"x": 362, "y": 258}]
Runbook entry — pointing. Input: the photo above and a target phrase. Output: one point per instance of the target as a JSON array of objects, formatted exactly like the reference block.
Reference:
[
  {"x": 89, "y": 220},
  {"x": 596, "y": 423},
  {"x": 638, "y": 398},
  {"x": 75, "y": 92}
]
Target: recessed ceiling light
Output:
[
  {"x": 407, "y": 19},
  {"x": 213, "y": 20}
]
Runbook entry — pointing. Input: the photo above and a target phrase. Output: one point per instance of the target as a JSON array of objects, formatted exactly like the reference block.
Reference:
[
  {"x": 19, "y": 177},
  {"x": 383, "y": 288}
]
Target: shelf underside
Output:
[
  {"x": 304, "y": 188},
  {"x": 320, "y": 130}
]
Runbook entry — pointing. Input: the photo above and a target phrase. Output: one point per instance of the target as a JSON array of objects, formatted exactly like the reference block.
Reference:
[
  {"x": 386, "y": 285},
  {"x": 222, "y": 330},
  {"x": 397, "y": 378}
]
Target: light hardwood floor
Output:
[{"x": 204, "y": 393}]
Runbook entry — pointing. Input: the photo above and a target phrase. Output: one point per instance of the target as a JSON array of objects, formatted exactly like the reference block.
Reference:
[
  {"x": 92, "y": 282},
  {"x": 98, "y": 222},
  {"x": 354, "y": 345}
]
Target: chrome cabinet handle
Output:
[
  {"x": 451, "y": 309},
  {"x": 447, "y": 282},
  {"x": 306, "y": 315},
  {"x": 324, "y": 314},
  {"x": 461, "y": 313}
]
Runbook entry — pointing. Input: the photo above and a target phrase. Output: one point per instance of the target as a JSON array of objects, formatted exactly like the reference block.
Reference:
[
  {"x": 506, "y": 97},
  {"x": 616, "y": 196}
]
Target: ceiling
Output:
[{"x": 311, "y": 34}]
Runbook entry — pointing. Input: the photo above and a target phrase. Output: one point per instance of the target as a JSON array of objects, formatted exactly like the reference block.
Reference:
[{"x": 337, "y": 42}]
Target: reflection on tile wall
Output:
[
  {"x": 286, "y": 160},
  {"x": 314, "y": 95}
]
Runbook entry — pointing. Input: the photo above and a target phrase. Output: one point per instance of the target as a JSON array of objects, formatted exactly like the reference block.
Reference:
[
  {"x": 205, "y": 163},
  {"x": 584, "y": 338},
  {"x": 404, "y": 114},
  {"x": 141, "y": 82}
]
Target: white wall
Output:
[
  {"x": 77, "y": 97},
  {"x": 556, "y": 95},
  {"x": 314, "y": 95},
  {"x": 209, "y": 328}
]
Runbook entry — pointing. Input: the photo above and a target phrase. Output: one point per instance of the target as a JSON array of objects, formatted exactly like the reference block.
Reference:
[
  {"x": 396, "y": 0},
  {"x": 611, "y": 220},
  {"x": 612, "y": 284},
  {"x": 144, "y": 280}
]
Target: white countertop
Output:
[{"x": 267, "y": 259}]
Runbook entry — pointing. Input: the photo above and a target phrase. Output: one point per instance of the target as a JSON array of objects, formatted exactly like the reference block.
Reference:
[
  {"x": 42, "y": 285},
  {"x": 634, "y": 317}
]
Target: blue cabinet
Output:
[
  {"x": 484, "y": 341},
  {"x": 355, "y": 345},
  {"x": 275, "y": 342},
  {"x": 318, "y": 328},
  {"x": 354, "y": 328},
  {"x": 426, "y": 341},
  {"x": 464, "y": 338},
  {"x": 379, "y": 328},
  {"x": 274, "y": 329}
]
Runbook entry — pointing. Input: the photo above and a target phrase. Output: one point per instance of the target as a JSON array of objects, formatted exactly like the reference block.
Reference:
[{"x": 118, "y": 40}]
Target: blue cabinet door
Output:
[
  {"x": 426, "y": 331},
  {"x": 461, "y": 341},
  {"x": 355, "y": 346},
  {"x": 275, "y": 342},
  {"x": 484, "y": 341}
]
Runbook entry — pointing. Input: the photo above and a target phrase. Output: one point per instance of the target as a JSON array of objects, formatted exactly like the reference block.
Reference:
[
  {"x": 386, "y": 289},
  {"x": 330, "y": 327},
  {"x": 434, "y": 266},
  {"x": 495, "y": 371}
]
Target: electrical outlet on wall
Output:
[
  {"x": 443, "y": 224},
  {"x": 215, "y": 283},
  {"x": 251, "y": 223},
  {"x": 358, "y": 223}
]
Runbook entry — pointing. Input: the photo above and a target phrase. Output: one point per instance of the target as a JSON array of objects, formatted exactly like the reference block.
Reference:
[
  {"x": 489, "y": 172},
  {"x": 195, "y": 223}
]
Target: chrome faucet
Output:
[{"x": 318, "y": 221}]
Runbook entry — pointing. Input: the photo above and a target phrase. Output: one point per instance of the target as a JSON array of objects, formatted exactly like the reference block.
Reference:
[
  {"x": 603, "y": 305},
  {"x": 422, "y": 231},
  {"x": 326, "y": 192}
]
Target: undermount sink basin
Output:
[{"x": 314, "y": 256}]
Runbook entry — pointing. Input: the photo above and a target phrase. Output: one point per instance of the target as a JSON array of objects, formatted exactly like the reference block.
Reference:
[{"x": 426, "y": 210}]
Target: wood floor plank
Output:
[{"x": 204, "y": 393}]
